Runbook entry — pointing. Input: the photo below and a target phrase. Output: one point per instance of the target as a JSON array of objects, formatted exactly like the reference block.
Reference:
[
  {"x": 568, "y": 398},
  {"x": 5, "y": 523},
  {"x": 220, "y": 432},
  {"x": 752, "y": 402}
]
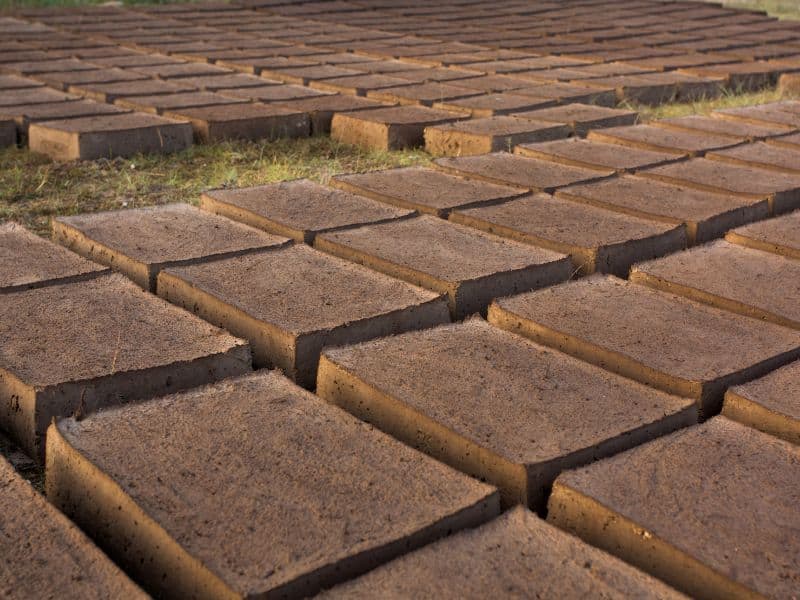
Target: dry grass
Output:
[{"x": 703, "y": 107}]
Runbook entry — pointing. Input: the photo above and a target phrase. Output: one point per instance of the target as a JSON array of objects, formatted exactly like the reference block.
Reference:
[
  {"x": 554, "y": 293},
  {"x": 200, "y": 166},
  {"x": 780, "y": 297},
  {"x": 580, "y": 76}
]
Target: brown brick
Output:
[
  {"x": 706, "y": 215},
  {"x": 305, "y": 75},
  {"x": 292, "y": 302},
  {"x": 274, "y": 93},
  {"x": 8, "y": 132},
  {"x": 216, "y": 83},
  {"x": 510, "y": 169},
  {"x": 111, "y": 92},
  {"x": 161, "y": 103},
  {"x": 13, "y": 82},
  {"x": 425, "y": 190},
  {"x": 637, "y": 88},
  {"x": 244, "y": 121},
  {"x": 666, "y": 341},
  {"x": 769, "y": 404},
  {"x": 659, "y": 139},
  {"x": 582, "y": 414},
  {"x": 45, "y": 555},
  {"x": 775, "y": 113},
  {"x": 181, "y": 70},
  {"x": 425, "y": 94},
  {"x": 99, "y": 342},
  {"x": 321, "y": 109},
  {"x": 761, "y": 155},
  {"x": 25, "y": 115},
  {"x": 480, "y": 136},
  {"x": 582, "y": 117},
  {"x": 108, "y": 136},
  {"x": 358, "y": 85},
  {"x": 780, "y": 235},
  {"x": 721, "y": 127},
  {"x": 232, "y": 539},
  {"x": 628, "y": 505},
  {"x": 298, "y": 209},
  {"x": 487, "y": 105},
  {"x": 591, "y": 154},
  {"x": 30, "y": 96},
  {"x": 469, "y": 266},
  {"x": 65, "y": 79}
]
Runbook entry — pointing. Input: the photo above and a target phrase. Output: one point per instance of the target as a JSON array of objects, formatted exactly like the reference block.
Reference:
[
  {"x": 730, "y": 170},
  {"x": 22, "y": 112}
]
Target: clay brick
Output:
[
  {"x": 487, "y": 105},
  {"x": 141, "y": 242},
  {"x": 391, "y": 128},
  {"x": 659, "y": 139},
  {"x": 425, "y": 190},
  {"x": 111, "y": 92},
  {"x": 425, "y": 94},
  {"x": 792, "y": 141},
  {"x": 358, "y": 85},
  {"x": 593, "y": 155},
  {"x": 722, "y": 127},
  {"x": 24, "y": 116},
  {"x": 30, "y": 96},
  {"x": 781, "y": 189},
  {"x": 217, "y": 83},
  {"x": 13, "y": 82},
  {"x": 489, "y": 83},
  {"x": 741, "y": 77},
  {"x": 244, "y": 121},
  {"x": 274, "y": 93},
  {"x": 134, "y": 60},
  {"x": 305, "y": 75},
  {"x": 583, "y": 414},
  {"x": 706, "y": 215},
  {"x": 45, "y": 555},
  {"x": 769, "y": 404},
  {"x": 28, "y": 261},
  {"x": 468, "y": 266},
  {"x": 8, "y": 132},
  {"x": 628, "y": 505},
  {"x": 47, "y": 66},
  {"x": 595, "y": 239},
  {"x": 666, "y": 341},
  {"x": 181, "y": 70},
  {"x": 780, "y": 235},
  {"x": 515, "y": 553},
  {"x": 161, "y": 103},
  {"x": 776, "y": 113},
  {"x": 643, "y": 89},
  {"x": 510, "y": 169},
  {"x": 64, "y": 80},
  {"x": 292, "y": 302},
  {"x": 298, "y": 209},
  {"x": 761, "y": 155},
  {"x": 227, "y": 537},
  {"x": 582, "y": 117},
  {"x": 789, "y": 83},
  {"x": 74, "y": 348},
  {"x": 743, "y": 280},
  {"x": 321, "y": 109},
  {"x": 481, "y": 136}
]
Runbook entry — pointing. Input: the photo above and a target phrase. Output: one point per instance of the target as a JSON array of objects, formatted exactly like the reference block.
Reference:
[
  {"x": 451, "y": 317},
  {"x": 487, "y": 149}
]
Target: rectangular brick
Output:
[
  {"x": 30, "y": 96},
  {"x": 8, "y": 132},
  {"x": 424, "y": 94},
  {"x": 162, "y": 103},
  {"x": 780, "y": 235},
  {"x": 706, "y": 215},
  {"x": 791, "y": 141},
  {"x": 761, "y": 155},
  {"x": 305, "y": 75},
  {"x": 595, "y": 239},
  {"x": 432, "y": 74},
  {"x": 47, "y": 66},
  {"x": 424, "y": 190},
  {"x": 493, "y": 134},
  {"x": 292, "y": 302},
  {"x": 270, "y": 92},
  {"x": 768, "y": 404},
  {"x": 468, "y": 266},
  {"x": 659, "y": 139},
  {"x": 141, "y": 242},
  {"x": 216, "y": 83},
  {"x": 390, "y": 128},
  {"x": 671, "y": 343},
  {"x": 251, "y": 121},
  {"x": 723, "y": 127},
  {"x": 628, "y": 505},
  {"x": 64, "y": 80},
  {"x": 781, "y": 189},
  {"x": 582, "y": 117},
  {"x": 582, "y": 414},
  {"x": 775, "y": 113},
  {"x": 320, "y": 109},
  {"x": 111, "y": 92},
  {"x": 25, "y": 115},
  {"x": 487, "y": 105},
  {"x": 232, "y": 539},
  {"x": 528, "y": 173},
  {"x": 99, "y": 342},
  {"x": 108, "y": 136},
  {"x": 742, "y": 280},
  {"x": 13, "y": 82},
  {"x": 358, "y": 85},
  {"x": 592, "y": 155},
  {"x": 299, "y": 209},
  {"x": 45, "y": 554},
  {"x": 642, "y": 88}
]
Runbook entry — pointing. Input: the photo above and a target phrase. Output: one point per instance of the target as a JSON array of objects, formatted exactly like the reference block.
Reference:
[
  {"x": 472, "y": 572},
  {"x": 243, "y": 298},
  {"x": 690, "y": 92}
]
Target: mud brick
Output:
[
  {"x": 776, "y": 113},
  {"x": 720, "y": 127},
  {"x": 479, "y": 136},
  {"x": 100, "y": 342},
  {"x": 47, "y": 66},
  {"x": 24, "y": 116},
  {"x": 241, "y": 541},
  {"x": 627, "y": 505},
  {"x": 8, "y": 132},
  {"x": 781, "y": 189},
  {"x": 582, "y": 117},
  {"x": 45, "y": 555},
  {"x": 134, "y": 60},
  {"x": 791, "y": 141},
  {"x": 493, "y": 83},
  {"x": 111, "y": 92},
  {"x": 305, "y": 75},
  {"x": 769, "y": 404},
  {"x": 706, "y": 215},
  {"x": 487, "y": 105},
  {"x": 469, "y": 266},
  {"x": 294, "y": 301},
  {"x": 746, "y": 76},
  {"x": 780, "y": 235},
  {"x": 510, "y": 169},
  {"x": 321, "y": 109},
  {"x": 391, "y": 128},
  {"x": 761, "y": 155},
  {"x": 789, "y": 83},
  {"x": 425, "y": 94},
  {"x": 244, "y": 121},
  {"x": 637, "y": 88},
  {"x": 269, "y": 92},
  {"x": 13, "y": 82},
  {"x": 28, "y": 261},
  {"x": 215, "y": 83},
  {"x": 30, "y": 96},
  {"x": 180, "y": 70},
  {"x": 432, "y": 74},
  {"x": 64, "y": 79},
  {"x": 425, "y": 190},
  {"x": 743, "y": 280},
  {"x": 666, "y": 341},
  {"x": 592, "y": 154},
  {"x": 22, "y": 57},
  {"x": 659, "y": 139},
  {"x": 682, "y": 61},
  {"x": 358, "y": 85},
  {"x": 140, "y": 242},
  {"x": 582, "y": 414},
  {"x": 298, "y": 209},
  {"x": 522, "y": 64},
  {"x": 570, "y": 93},
  {"x": 595, "y": 239},
  {"x": 173, "y": 103}
]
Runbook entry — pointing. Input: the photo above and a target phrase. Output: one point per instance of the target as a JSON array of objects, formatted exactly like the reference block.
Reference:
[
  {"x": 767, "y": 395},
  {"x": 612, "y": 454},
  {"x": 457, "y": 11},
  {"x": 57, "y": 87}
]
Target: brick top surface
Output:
[{"x": 779, "y": 391}]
